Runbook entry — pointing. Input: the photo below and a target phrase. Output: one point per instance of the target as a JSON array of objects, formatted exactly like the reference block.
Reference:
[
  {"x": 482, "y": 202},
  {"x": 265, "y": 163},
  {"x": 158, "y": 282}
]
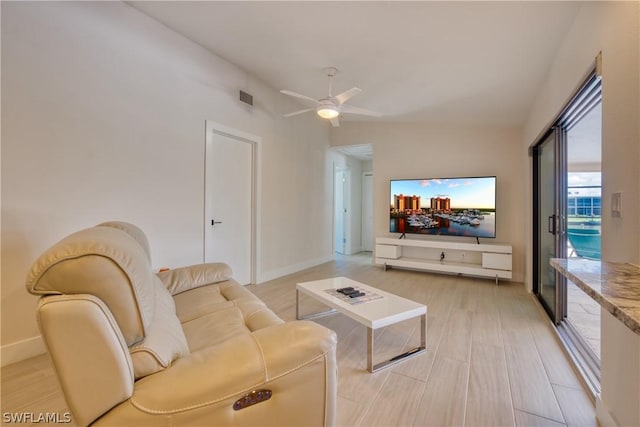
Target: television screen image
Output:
[{"x": 444, "y": 206}]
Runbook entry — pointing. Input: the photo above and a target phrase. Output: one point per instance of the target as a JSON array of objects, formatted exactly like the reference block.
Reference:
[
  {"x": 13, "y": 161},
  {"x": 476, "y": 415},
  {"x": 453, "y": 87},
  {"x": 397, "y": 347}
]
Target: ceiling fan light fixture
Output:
[
  {"x": 331, "y": 107},
  {"x": 328, "y": 112}
]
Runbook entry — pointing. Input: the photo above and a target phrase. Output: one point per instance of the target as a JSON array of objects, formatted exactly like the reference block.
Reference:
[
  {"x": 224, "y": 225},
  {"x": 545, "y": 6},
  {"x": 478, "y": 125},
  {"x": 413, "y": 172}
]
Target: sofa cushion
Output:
[
  {"x": 207, "y": 299},
  {"x": 232, "y": 290},
  {"x": 213, "y": 313},
  {"x": 214, "y": 328},
  {"x": 165, "y": 341},
  {"x": 106, "y": 262},
  {"x": 200, "y": 302},
  {"x": 256, "y": 314}
]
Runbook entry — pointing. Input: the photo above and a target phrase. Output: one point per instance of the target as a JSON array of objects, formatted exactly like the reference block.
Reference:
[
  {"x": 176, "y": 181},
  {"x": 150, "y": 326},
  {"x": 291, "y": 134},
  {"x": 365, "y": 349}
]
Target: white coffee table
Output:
[{"x": 374, "y": 313}]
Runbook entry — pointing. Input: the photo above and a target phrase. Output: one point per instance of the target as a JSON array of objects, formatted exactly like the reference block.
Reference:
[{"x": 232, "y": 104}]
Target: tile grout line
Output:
[
  {"x": 542, "y": 416},
  {"x": 546, "y": 372},
  {"x": 435, "y": 355},
  {"x": 506, "y": 367},
  {"x": 466, "y": 397}
]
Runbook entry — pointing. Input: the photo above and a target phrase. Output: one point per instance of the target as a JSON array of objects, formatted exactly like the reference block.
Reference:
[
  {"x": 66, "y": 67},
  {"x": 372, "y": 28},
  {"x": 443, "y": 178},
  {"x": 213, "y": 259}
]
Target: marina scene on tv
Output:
[{"x": 444, "y": 206}]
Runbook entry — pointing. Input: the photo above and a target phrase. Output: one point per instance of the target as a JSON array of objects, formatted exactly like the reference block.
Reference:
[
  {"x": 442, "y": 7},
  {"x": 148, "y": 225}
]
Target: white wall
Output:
[
  {"x": 430, "y": 151},
  {"x": 367, "y": 167},
  {"x": 612, "y": 28},
  {"x": 103, "y": 113}
]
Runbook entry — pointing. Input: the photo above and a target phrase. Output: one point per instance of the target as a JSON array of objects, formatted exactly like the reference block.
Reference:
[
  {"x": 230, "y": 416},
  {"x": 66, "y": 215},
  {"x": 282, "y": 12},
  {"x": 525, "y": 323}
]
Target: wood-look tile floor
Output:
[
  {"x": 491, "y": 360},
  {"x": 584, "y": 314}
]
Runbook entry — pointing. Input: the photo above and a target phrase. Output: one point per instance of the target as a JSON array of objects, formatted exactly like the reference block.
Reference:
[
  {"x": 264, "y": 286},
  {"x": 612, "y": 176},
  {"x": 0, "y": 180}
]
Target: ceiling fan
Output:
[{"x": 330, "y": 107}]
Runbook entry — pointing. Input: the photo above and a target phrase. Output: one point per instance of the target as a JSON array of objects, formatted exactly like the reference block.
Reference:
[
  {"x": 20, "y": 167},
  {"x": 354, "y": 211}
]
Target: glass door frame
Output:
[{"x": 555, "y": 224}]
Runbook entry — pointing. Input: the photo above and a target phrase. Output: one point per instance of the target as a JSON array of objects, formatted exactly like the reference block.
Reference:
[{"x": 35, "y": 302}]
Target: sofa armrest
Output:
[
  {"x": 219, "y": 375},
  {"x": 80, "y": 328},
  {"x": 182, "y": 279}
]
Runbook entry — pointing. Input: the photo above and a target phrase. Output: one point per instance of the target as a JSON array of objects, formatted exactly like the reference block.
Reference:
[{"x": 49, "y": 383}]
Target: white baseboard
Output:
[
  {"x": 603, "y": 415},
  {"x": 21, "y": 350},
  {"x": 356, "y": 251},
  {"x": 274, "y": 274}
]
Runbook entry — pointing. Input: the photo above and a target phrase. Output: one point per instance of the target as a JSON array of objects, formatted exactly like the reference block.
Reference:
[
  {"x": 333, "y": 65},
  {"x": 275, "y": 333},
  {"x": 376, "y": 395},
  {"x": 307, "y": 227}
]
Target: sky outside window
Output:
[{"x": 476, "y": 193}]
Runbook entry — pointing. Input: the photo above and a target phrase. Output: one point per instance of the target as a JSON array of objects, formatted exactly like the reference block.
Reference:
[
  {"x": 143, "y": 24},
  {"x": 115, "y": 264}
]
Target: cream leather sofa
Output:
[{"x": 184, "y": 347}]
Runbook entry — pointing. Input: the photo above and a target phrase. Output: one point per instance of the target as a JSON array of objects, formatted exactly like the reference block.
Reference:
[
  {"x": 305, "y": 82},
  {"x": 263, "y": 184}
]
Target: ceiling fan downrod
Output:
[{"x": 330, "y": 71}]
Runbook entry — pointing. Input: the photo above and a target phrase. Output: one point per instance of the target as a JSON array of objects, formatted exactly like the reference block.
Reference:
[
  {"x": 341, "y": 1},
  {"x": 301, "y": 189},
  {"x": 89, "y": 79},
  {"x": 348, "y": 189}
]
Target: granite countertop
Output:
[{"x": 615, "y": 286}]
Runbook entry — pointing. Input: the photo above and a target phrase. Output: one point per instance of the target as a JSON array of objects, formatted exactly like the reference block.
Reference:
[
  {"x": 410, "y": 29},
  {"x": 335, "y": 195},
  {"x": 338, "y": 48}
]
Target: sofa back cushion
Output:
[
  {"x": 107, "y": 263},
  {"x": 111, "y": 262},
  {"x": 165, "y": 341},
  {"x": 133, "y": 231}
]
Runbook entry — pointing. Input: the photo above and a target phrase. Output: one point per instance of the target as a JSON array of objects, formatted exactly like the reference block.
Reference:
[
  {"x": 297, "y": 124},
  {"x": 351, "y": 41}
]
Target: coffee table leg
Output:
[
  {"x": 297, "y": 304},
  {"x": 413, "y": 352},
  {"x": 423, "y": 331},
  {"x": 370, "y": 366},
  {"x": 309, "y": 316}
]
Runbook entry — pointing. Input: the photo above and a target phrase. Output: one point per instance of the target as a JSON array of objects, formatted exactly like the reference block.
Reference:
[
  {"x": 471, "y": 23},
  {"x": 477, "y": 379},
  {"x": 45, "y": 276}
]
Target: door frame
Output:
[
  {"x": 346, "y": 202},
  {"x": 212, "y": 128},
  {"x": 559, "y": 312},
  {"x": 364, "y": 210}
]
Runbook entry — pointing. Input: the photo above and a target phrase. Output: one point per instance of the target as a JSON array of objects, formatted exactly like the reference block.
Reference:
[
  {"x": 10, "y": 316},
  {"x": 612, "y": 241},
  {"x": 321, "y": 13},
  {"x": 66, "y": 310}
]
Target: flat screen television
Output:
[{"x": 444, "y": 206}]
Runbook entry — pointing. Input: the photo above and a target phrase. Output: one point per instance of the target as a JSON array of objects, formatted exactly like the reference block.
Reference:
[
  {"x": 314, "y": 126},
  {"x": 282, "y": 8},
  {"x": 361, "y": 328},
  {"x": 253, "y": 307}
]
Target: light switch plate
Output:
[{"x": 616, "y": 205}]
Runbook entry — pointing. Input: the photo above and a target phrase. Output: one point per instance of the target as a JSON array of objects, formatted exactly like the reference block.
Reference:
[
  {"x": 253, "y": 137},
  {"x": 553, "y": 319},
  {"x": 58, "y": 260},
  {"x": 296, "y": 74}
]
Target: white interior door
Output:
[
  {"x": 339, "y": 212},
  {"x": 367, "y": 212},
  {"x": 229, "y": 218}
]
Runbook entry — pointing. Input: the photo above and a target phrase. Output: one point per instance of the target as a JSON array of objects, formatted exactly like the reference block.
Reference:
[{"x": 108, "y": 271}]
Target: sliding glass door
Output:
[
  {"x": 567, "y": 212},
  {"x": 550, "y": 238}
]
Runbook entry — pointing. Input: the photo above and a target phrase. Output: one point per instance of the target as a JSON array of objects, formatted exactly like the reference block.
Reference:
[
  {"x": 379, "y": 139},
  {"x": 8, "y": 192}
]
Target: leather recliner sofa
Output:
[{"x": 188, "y": 346}]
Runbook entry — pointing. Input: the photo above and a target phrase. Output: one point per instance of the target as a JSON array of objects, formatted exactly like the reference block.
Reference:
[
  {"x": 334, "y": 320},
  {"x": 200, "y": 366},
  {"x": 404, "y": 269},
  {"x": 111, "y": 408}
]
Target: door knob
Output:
[{"x": 214, "y": 222}]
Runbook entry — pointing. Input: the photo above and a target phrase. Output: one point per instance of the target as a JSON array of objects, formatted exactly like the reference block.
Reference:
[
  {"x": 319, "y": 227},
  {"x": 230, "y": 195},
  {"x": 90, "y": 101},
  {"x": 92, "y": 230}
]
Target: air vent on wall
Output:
[{"x": 246, "y": 98}]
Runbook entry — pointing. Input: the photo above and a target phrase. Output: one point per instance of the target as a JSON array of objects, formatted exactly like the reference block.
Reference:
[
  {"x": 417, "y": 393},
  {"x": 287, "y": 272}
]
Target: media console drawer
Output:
[
  {"x": 388, "y": 251},
  {"x": 496, "y": 261}
]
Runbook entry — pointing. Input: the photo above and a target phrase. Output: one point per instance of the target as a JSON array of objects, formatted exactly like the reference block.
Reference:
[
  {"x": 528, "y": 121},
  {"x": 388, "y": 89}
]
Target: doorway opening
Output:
[
  {"x": 353, "y": 199},
  {"x": 342, "y": 211}
]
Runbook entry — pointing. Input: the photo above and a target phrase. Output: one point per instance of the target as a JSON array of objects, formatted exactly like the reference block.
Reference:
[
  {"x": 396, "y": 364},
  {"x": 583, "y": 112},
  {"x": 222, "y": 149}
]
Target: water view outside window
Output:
[{"x": 584, "y": 215}]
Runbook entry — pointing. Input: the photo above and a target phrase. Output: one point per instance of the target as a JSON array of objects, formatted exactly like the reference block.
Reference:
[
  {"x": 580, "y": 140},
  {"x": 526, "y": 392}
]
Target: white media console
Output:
[{"x": 482, "y": 260}]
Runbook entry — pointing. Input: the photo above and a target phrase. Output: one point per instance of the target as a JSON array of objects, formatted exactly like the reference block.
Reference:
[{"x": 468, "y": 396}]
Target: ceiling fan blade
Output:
[
  {"x": 346, "y": 95},
  {"x": 335, "y": 122},
  {"x": 295, "y": 113},
  {"x": 357, "y": 110},
  {"x": 297, "y": 95}
]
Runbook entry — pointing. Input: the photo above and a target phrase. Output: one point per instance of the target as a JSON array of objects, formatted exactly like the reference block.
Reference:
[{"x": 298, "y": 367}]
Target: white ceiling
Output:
[{"x": 438, "y": 62}]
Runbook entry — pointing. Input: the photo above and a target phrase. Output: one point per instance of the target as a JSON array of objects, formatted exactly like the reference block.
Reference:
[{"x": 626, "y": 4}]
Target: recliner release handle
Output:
[{"x": 256, "y": 396}]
